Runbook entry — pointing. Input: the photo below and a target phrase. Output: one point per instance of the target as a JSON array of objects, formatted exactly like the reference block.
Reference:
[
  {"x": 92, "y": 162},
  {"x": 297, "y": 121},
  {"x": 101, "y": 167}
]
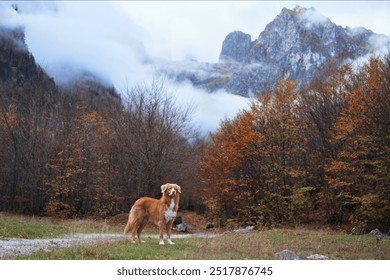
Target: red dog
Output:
[{"x": 162, "y": 212}]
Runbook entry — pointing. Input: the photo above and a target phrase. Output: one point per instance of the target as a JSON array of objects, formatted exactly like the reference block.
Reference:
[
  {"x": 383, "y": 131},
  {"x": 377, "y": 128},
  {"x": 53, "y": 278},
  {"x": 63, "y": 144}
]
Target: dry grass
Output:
[{"x": 264, "y": 245}]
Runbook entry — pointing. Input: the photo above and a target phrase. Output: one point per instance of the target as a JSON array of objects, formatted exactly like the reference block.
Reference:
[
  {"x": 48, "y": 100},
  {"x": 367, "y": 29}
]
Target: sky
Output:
[
  {"x": 117, "y": 40},
  {"x": 196, "y": 29}
]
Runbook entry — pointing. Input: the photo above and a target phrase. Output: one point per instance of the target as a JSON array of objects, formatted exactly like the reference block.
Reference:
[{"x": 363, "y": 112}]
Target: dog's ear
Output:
[
  {"x": 178, "y": 188},
  {"x": 164, "y": 188}
]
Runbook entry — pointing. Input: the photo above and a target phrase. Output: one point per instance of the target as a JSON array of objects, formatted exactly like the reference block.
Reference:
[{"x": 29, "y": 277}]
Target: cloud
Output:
[
  {"x": 196, "y": 29},
  {"x": 314, "y": 17},
  {"x": 372, "y": 15},
  {"x": 68, "y": 37},
  {"x": 209, "y": 109},
  {"x": 381, "y": 44}
]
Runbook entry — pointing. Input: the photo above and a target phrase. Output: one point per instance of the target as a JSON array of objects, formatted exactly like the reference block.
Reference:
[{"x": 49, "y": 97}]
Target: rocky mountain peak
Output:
[
  {"x": 291, "y": 14},
  {"x": 235, "y": 47},
  {"x": 297, "y": 19},
  {"x": 292, "y": 31},
  {"x": 295, "y": 46}
]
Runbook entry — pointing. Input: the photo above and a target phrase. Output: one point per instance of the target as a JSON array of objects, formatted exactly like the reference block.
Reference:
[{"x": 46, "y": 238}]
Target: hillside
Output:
[
  {"x": 18, "y": 69},
  {"x": 17, "y": 65}
]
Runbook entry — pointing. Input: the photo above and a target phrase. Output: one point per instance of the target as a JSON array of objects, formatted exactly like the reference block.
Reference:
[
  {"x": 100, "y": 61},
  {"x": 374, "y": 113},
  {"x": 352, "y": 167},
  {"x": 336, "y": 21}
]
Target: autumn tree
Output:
[
  {"x": 319, "y": 108},
  {"x": 283, "y": 164},
  {"x": 79, "y": 177},
  {"x": 359, "y": 173},
  {"x": 225, "y": 168},
  {"x": 253, "y": 167},
  {"x": 25, "y": 129}
]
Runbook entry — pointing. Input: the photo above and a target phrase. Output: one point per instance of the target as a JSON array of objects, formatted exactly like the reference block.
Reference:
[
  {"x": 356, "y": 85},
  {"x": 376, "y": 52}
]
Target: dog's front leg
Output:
[
  {"x": 169, "y": 229},
  {"x": 161, "y": 226}
]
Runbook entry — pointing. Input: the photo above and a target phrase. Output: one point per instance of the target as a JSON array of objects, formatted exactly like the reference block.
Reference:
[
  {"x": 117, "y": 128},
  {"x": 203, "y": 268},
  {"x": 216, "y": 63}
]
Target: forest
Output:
[{"x": 300, "y": 155}]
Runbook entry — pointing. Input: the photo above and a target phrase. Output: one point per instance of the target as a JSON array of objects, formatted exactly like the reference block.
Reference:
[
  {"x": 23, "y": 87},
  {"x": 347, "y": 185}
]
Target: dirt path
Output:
[{"x": 10, "y": 247}]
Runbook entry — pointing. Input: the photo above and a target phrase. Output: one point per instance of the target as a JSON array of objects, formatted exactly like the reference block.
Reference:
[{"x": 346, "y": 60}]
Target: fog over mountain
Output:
[
  {"x": 72, "y": 39},
  {"x": 100, "y": 39}
]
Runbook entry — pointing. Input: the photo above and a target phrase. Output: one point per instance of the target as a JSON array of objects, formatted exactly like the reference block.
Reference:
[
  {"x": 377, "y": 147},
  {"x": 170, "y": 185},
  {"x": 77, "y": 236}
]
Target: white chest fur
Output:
[{"x": 170, "y": 213}]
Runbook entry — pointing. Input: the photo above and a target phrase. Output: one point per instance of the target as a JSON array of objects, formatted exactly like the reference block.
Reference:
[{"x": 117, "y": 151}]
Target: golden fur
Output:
[{"x": 162, "y": 212}]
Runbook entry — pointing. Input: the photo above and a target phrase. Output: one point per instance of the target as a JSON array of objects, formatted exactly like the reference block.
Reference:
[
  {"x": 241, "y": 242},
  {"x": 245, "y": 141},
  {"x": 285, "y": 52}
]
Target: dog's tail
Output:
[
  {"x": 130, "y": 220},
  {"x": 127, "y": 228}
]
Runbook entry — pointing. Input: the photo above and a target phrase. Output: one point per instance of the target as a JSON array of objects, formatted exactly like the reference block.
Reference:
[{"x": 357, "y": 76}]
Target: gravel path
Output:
[{"x": 10, "y": 247}]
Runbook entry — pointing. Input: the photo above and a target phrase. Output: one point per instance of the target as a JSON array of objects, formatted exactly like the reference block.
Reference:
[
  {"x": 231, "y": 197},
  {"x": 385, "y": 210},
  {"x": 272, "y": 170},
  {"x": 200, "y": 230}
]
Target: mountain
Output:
[{"x": 295, "y": 45}]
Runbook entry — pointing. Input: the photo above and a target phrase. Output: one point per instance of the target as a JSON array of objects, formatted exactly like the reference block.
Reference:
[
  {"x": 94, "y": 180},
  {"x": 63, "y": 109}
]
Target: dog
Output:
[{"x": 162, "y": 212}]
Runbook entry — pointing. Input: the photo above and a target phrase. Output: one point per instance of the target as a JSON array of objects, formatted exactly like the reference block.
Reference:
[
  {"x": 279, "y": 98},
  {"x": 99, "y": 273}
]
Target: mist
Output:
[
  {"x": 209, "y": 108},
  {"x": 69, "y": 39}
]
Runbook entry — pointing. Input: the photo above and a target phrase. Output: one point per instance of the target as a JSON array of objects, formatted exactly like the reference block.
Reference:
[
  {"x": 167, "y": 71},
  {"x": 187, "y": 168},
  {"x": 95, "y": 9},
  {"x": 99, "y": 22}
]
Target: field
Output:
[{"x": 227, "y": 245}]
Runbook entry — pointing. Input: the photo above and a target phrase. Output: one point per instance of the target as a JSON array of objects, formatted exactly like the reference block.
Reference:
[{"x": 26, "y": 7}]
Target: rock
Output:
[
  {"x": 210, "y": 225},
  {"x": 286, "y": 255},
  {"x": 178, "y": 220},
  {"x": 378, "y": 234},
  {"x": 317, "y": 257},
  {"x": 182, "y": 227},
  {"x": 244, "y": 230}
]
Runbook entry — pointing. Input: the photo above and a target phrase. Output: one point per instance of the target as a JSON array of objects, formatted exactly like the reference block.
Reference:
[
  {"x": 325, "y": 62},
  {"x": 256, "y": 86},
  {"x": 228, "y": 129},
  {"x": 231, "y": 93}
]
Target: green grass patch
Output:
[
  {"x": 30, "y": 227},
  {"x": 120, "y": 250},
  {"x": 42, "y": 227}
]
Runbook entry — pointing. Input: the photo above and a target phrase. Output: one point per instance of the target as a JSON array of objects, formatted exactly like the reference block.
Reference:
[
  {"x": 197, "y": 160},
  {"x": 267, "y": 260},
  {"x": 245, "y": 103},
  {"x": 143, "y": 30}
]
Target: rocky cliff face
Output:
[{"x": 295, "y": 45}]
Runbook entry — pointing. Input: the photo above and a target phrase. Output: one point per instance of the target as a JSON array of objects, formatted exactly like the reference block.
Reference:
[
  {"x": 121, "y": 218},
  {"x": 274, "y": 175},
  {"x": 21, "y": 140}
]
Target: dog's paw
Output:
[
  {"x": 170, "y": 242},
  {"x": 161, "y": 242},
  {"x": 142, "y": 241}
]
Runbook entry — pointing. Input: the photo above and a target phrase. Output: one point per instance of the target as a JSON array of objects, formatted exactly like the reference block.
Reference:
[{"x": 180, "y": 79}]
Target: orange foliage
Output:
[{"x": 321, "y": 153}]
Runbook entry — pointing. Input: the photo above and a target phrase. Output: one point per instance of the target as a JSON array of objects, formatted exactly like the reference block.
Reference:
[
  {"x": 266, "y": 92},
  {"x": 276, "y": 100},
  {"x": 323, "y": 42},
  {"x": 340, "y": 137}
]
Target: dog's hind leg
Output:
[
  {"x": 140, "y": 228},
  {"x": 136, "y": 225},
  {"x": 162, "y": 226},
  {"x": 134, "y": 221}
]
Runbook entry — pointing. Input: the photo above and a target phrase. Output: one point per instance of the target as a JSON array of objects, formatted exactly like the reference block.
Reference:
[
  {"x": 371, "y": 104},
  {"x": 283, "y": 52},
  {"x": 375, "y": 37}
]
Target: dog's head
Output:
[{"x": 170, "y": 189}]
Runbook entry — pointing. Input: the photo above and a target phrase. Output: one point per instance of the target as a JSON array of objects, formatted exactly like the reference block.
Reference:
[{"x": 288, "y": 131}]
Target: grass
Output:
[
  {"x": 264, "y": 245},
  {"x": 42, "y": 227},
  {"x": 255, "y": 245},
  {"x": 119, "y": 250}
]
